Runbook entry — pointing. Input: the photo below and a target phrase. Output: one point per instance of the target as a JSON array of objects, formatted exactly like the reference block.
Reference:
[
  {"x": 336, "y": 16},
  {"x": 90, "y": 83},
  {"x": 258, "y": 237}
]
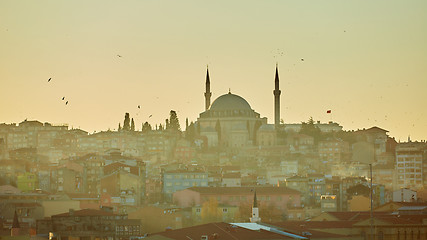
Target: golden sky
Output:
[{"x": 364, "y": 60}]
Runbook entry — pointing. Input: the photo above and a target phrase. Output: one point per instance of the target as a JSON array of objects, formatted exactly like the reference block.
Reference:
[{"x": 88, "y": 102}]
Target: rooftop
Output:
[{"x": 243, "y": 190}]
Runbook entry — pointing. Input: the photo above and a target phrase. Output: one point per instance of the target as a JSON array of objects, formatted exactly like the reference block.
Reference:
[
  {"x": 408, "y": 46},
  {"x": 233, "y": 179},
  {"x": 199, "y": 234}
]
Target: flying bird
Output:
[
  {"x": 63, "y": 98},
  {"x": 49, "y": 79},
  {"x": 66, "y": 102},
  {"x": 302, "y": 59},
  {"x": 139, "y": 106},
  {"x": 150, "y": 116},
  {"x": 119, "y": 55}
]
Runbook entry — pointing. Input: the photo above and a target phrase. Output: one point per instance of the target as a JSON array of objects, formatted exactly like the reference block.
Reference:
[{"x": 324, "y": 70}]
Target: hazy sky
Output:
[{"x": 364, "y": 60}]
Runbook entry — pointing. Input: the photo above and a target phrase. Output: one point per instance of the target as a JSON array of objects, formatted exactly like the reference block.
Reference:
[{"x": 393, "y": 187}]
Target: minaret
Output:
[
  {"x": 276, "y": 94},
  {"x": 255, "y": 211},
  {"x": 208, "y": 93}
]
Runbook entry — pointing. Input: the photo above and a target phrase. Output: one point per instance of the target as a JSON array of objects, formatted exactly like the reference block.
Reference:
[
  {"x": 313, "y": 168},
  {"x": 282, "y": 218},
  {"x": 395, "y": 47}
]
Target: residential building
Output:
[
  {"x": 299, "y": 183},
  {"x": 231, "y": 180},
  {"x": 90, "y": 223},
  {"x": 404, "y": 195},
  {"x": 409, "y": 165},
  {"x": 177, "y": 180},
  {"x": 281, "y": 198},
  {"x": 333, "y": 150},
  {"x": 27, "y": 182}
]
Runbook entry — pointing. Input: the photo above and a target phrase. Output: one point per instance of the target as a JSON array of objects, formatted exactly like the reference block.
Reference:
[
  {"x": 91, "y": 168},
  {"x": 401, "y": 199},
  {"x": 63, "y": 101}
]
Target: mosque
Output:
[{"x": 230, "y": 121}]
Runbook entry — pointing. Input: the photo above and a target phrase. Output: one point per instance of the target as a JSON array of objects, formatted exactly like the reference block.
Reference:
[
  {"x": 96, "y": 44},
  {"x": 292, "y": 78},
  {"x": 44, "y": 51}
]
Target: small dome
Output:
[{"x": 230, "y": 102}]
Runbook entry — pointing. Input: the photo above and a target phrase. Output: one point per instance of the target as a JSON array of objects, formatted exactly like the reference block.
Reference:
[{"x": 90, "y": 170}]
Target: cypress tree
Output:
[
  {"x": 126, "y": 123},
  {"x": 132, "y": 125}
]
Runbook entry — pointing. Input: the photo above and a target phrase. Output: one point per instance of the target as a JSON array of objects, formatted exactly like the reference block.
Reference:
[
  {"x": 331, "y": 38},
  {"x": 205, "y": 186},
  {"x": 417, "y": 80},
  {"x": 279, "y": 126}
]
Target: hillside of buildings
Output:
[{"x": 163, "y": 177}]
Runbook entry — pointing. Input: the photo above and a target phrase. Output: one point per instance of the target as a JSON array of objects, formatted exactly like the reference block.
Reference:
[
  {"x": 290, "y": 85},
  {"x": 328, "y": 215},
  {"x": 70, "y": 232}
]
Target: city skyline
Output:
[{"x": 366, "y": 62}]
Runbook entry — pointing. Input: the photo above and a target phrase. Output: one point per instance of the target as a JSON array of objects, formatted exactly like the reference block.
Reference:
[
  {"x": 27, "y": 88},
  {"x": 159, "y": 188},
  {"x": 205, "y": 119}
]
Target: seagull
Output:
[
  {"x": 302, "y": 59},
  {"x": 49, "y": 79},
  {"x": 139, "y": 106},
  {"x": 63, "y": 98},
  {"x": 119, "y": 55},
  {"x": 150, "y": 116},
  {"x": 66, "y": 102}
]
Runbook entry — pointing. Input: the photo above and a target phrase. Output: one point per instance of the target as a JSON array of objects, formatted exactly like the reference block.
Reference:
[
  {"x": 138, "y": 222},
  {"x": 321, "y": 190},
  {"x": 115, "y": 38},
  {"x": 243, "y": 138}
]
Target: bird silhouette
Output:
[
  {"x": 302, "y": 59},
  {"x": 150, "y": 116},
  {"x": 63, "y": 98},
  {"x": 139, "y": 106},
  {"x": 49, "y": 79},
  {"x": 66, "y": 103},
  {"x": 119, "y": 55}
]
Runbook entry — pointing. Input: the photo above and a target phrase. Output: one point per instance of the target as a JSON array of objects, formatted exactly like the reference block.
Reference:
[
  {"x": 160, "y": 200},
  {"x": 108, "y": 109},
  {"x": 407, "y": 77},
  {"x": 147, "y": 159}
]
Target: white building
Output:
[{"x": 409, "y": 165}]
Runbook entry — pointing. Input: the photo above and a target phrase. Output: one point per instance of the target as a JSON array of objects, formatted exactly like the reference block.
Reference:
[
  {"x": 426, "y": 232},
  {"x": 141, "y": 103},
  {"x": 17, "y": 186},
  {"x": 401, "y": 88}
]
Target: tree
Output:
[
  {"x": 244, "y": 213},
  {"x": 270, "y": 213},
  {"x": 210, "y": 211},
  {"x": 358, "y": 189},
  {"x": 167, "y": 124},
  {"x": 146, "y": 127},
  {"x": 173, "y": 121},
  {"x": 126, "y": 123},
  {"x": 310, "y": 129},
  {"x": 120, "y": 128},
  {"x": 190, "y": 132},
  {"x": 132, "y": 125},
  {"x": 160, "y": 127},
  {"x": 186, "y": 124}
]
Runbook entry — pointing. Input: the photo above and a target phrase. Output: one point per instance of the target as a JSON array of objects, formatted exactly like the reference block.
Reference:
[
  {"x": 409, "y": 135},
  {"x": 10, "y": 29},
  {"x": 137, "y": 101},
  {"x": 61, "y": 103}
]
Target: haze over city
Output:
[
  {"x": 147, "y": 119},
  {"x": 365, "y": 61}
]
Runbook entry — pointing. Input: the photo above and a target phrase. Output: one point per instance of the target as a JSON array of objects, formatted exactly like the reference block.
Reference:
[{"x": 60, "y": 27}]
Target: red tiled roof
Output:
[
  {"x": 315, "y": 224},
  {"x": 26, "y": 204},
  {"x": 374, "y": 129},
  {"x": 185, "y": 171},
  {"x": 315, "y": 227},
  {"x": 231, "y": 175},
  {"x": 117, "y": 165},
  {"x": 401, "y": 220},
  {"x": 86, "y": 212},
  {"x": 244, "y": 190},
  {"x": 83, "y": 196},
  {"x": 9, "y": 189},
  {"x": 355, "y": 216},
  {"x": 222, "y": 231}
]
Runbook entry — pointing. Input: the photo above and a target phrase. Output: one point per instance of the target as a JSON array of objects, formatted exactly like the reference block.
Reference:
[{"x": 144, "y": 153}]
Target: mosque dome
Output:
[{"x": 230, "y": 102}]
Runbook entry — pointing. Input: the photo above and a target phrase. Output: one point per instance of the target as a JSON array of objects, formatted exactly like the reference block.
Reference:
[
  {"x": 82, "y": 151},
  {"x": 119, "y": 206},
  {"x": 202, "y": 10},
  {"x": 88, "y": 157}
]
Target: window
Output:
[
  {"x": 224, "y": 210},
  {"x": 380, "y": 235}
]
